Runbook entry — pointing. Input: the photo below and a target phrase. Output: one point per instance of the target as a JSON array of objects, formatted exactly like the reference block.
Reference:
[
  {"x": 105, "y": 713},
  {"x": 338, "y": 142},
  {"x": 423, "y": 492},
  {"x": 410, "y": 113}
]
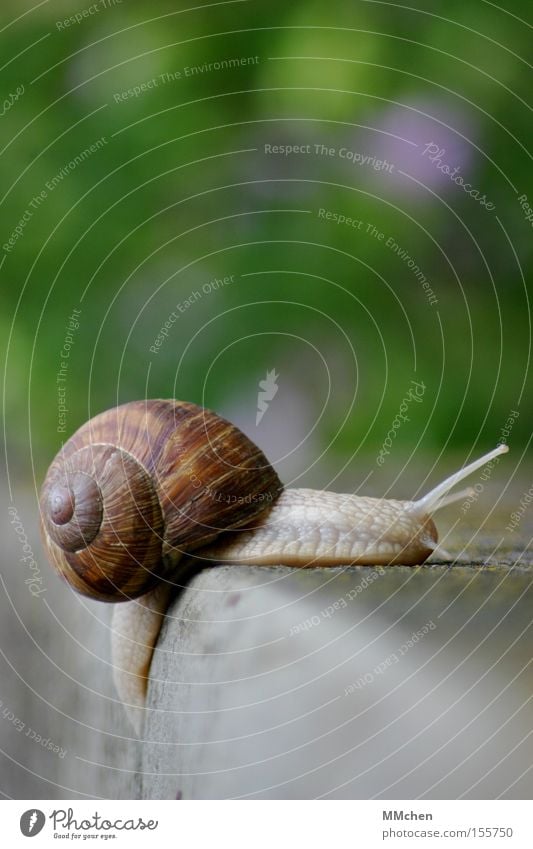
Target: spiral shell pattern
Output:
[{"x": 141, "y": 484}]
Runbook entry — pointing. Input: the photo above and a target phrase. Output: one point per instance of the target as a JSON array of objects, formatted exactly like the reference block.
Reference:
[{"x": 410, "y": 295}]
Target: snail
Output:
[{"x": 141, "y": 488}]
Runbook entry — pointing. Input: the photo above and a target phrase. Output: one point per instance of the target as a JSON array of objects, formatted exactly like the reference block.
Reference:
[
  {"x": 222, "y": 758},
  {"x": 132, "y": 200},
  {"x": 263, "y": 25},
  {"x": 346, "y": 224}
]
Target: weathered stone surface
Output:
[
  {"x": 56, "y": 683},
  {"x": 240, "y": 707},
  {"x": 283, "y": 683}
]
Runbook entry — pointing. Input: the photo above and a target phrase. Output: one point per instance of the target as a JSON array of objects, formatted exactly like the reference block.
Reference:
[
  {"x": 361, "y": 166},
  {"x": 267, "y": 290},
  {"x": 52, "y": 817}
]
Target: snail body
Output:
[{"x": 142, "y": 486}]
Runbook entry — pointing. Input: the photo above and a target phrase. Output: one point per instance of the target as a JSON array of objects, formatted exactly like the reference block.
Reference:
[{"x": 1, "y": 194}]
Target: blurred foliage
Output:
[{"x": 182, "y": 192}]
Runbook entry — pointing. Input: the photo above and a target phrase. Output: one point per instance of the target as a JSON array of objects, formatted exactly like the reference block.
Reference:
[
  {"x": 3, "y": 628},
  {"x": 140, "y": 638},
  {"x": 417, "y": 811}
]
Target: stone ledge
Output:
[{"x": 287, "y": 683}]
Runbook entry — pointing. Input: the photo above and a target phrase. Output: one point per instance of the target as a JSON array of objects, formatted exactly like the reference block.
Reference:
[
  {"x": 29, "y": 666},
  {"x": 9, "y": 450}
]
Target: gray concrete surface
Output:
[
  {"x": 244, "y": 703},
  {"x": 55, "y": 682},
  {"x": 280, "y": 683}
]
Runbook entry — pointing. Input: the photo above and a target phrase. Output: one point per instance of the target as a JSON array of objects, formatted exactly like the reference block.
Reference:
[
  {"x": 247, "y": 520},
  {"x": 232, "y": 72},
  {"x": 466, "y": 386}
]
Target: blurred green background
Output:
[{"x": 181, "y": 190}]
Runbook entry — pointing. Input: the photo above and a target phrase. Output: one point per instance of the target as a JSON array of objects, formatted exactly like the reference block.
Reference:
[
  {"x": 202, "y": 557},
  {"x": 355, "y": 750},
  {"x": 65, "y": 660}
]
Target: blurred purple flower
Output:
[{"x": 406, "y": 133}]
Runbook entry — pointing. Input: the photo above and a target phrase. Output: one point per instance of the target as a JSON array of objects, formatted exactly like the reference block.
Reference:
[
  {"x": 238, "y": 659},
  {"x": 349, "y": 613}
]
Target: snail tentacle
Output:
[{"x": 435, "y": 499}]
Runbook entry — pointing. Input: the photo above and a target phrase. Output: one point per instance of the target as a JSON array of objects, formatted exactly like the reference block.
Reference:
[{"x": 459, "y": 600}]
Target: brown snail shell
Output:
[{"x": 137, "y": 486}]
